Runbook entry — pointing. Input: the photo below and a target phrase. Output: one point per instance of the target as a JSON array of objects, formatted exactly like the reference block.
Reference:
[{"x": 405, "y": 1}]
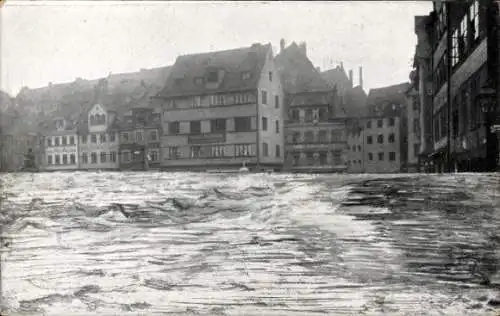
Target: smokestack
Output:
[
  {"x": 350, "y": 77},
  {"x": 361, "y": 77},
  {"x": 282, "y": 45}
]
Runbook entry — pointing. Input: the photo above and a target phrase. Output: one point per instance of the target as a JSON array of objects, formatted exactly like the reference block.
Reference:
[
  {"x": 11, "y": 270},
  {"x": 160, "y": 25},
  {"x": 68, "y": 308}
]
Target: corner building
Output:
[{"x": 223, "y": 109}]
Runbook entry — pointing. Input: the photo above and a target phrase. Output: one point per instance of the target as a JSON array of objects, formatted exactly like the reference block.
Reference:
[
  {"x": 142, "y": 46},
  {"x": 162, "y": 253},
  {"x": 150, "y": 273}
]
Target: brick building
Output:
[{"x": 223, "y": 109}]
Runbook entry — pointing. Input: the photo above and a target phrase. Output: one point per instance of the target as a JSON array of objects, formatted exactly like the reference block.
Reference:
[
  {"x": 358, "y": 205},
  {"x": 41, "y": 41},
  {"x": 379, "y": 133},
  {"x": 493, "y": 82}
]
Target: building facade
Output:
[
  {"x": 98, "y": 139},
  {"x": 382, "y": 145},
  {"x": 464, "y": 49},
  {"x": 315, "y": 139},
  {"x": 61, "y": 145},
  {"x": 140, "y": 139},
  {"x": 414, "y": 125},
  {"x": 355, "y": 158},
  {"x": 223, "y": 109}
]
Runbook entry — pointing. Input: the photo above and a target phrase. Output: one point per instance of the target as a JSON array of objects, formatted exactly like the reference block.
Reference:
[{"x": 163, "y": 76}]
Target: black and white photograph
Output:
[{"x": 250, "y": 158}]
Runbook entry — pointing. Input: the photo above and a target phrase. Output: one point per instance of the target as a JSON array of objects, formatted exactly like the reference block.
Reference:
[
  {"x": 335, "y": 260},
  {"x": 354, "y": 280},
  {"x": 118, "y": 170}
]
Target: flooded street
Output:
[{"x": 254, "y": 244}]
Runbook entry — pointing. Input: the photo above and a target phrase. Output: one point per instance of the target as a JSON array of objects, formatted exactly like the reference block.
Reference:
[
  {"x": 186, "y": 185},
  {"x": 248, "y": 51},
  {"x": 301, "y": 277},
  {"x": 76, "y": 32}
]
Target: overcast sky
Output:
[{"x": 59, "y": 41}]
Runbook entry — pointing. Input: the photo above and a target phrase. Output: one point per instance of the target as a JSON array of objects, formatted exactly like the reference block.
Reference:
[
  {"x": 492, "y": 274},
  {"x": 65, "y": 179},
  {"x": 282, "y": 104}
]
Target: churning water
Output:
[{"x": 253, "y": 244}]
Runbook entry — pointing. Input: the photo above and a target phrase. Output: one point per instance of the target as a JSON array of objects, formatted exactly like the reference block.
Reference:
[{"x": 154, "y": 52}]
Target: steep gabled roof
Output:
[
  {"x": 380, "y": 100},
  {"x": 232, "y": 64},
  {"x": 337, "y": 77},
  {"x": 298, "y": 72}
]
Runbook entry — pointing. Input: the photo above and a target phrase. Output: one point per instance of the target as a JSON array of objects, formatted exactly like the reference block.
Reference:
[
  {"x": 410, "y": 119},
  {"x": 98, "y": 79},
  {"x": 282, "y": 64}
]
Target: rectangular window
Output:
[
  {"x": 218, "y": 125},
  {"x": 125, "y": 137},
  {"x": 49, "y": 159},
  {"x": 84, "y": 139},
  {"x": 323, "y": 115},
  {"x": 154, "y": 156},
  {"x": 277, "y": 125},
  {"x": 271, "y": 76},
  {"x": 264, "y": 123},
  {"x": 65, "y": 159},
  {"x": 94, "y": 138},
  {"x": 392, "y": 138},
  {"x": 103, "y": 157},
  {"x": 196, "y": 101},
  {"x": 322, "y": 138},
  {"x": 173, "y": 128},
  {"x": 113, "y": 156},
  {"x": 195, "y": 151},
  {"x": 72, "y": 140},
  {"x": 72, "y": 159},
  {"x": 454, "y": 48},
  {"x": 153, "y": 135},
  {"x": 294, "y": 115},
  {"x": 195, "y": 127},
  {"x": 391, "y": 121},
  {"x": 369, "y": 140},
  {"x": 93, "y": 158},
  {"x": 380, "y": 156},
  {"x": 126, "y": 156},
  {"x": 64, "y": 140},
  {"x": 103, "y": 138},
  {"x": 242, "y": 124},
  {"x": 323, "y": 158},
  {"x": 276, "y": 101},
  {"x": 392, "y": 156},
  {"x": 49, "y": 142},
  {"x": 57, "y": 141},
  {"x": 337, "y": 157},
  {"x": 310, "y": 158},
  {"x": 296, "y": 159},
  {"x": 369, "y": 124},
  {"x": 380, "y": 139},
  {"x": 264, "y": 97},
  {"x": 296, "y": 137},
  {"x": 58, "y": 159},
  {"x": 474, "y": 20},
  {"x": 336, "y": 136},
  {"x": 370, "y": 156},
  {"x": 278, "y": 151},
  {"x": 217, "y": 151},
  {"x": 265, "y": 149},
  {"x": 138, "y": 136},
  {"x": 380, "y": 123},
  {"x": 173, "y": 152},
  {"x": 309, "y": 115},
  {"x": 242, "y": 150},
  {"x": 112, "y": 137},
  {"x": 85, "y": 158}
]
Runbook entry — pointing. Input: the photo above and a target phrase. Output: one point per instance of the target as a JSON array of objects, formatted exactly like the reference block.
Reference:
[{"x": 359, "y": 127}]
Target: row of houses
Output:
[
  {"x": 455, "y": 92},
  {"x": 220, "y": 110}
]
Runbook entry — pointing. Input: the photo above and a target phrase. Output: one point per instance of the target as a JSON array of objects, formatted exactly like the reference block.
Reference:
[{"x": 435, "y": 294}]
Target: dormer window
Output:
[
  {"x": 212, "y": 76},
  {"x": 198, "y": 81},
  {"x": 245, "y": 75}
]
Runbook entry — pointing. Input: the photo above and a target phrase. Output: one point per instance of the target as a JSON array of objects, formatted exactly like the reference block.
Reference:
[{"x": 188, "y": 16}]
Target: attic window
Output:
[
  {"x": 212, "y": 76},
  {"x": 245, "y": 75},
  {"x": 198, "y": 81}
]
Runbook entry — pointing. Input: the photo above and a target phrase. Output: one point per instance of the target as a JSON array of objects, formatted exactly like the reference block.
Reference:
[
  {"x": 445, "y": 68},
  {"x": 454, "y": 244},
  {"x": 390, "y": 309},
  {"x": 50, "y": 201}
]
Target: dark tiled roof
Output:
[
  {"x": 380, "y": 100},
  {"x": 355, "y": 102},
  {"x": 234, "y": 62},
  {"x": 337, "y": 78},
  {"x": 298, "y": 72}
]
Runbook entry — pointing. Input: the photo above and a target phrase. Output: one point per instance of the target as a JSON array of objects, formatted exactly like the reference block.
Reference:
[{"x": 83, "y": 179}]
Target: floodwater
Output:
[{"x": 250, "y": 244}]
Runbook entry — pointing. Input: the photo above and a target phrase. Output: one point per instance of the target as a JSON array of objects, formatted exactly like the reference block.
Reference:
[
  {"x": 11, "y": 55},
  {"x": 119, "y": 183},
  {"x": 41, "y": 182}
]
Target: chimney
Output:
[
  {"x": 361, "y": 77},
  {"x": 303, "y": 48},
  {"x": 350, "y": 77},
  {"x": 282, "y": 45},
  {"x": 342, "y": 65}
]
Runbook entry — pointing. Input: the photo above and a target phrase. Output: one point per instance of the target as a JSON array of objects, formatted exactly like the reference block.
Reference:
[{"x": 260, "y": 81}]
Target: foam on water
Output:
[{"x": 253, "y": 244}]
